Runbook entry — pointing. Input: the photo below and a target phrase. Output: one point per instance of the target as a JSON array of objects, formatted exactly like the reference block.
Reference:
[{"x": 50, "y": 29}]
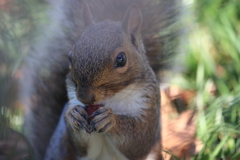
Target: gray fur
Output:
[{"x": 43, "y": 89}]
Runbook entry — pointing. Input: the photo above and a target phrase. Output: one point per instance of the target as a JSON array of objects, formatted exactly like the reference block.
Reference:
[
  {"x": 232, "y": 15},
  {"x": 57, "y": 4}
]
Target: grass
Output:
[{"x": 212, "y": 69}]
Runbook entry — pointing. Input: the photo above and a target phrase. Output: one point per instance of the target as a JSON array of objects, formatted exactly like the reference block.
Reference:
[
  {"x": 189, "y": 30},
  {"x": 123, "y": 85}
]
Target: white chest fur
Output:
[
  {"x": 130, "y": 101},
  {"x": 102, "y": 148}
]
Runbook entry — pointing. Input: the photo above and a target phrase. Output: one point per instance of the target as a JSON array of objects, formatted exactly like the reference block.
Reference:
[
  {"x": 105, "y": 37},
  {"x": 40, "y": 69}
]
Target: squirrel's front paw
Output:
[
  {"x": 77, "y": 118},
  {"x": 104, "y": 119}
]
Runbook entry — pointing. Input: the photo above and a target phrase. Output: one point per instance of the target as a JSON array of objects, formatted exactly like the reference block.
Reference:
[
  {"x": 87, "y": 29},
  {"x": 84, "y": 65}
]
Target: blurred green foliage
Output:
[
  {"x": 213, "y": 70},
  {"x": 18, "y": 24},
  {"x": 19, "y": 21}
]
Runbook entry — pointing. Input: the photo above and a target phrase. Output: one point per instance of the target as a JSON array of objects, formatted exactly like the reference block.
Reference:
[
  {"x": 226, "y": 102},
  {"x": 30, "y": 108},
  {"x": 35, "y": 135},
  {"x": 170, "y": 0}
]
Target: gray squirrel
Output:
[{"x": 113, "y": 92}]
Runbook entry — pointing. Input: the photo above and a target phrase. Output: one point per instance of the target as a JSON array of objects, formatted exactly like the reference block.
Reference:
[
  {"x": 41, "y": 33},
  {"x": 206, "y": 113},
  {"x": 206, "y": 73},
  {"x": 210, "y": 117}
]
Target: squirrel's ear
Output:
[
  {"x": 87, "y": 16},
  {"x": 132, "y": 20}
]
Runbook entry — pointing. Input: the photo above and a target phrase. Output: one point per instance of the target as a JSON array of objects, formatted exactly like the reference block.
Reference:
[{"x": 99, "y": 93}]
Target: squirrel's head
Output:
[{"x": 108, "y": 57}]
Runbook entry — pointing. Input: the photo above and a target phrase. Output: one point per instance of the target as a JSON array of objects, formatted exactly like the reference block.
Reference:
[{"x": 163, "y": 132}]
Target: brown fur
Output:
[
  {"x": 92, "y": 67},
  {"x": 43, "y": 89},
  {"x": 102, "y": 78}
]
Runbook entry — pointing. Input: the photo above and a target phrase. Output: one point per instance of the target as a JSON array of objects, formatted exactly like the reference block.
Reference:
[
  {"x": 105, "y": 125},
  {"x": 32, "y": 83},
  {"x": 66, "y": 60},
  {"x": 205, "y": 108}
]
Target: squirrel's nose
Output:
[{"x": 85, "y": 95}]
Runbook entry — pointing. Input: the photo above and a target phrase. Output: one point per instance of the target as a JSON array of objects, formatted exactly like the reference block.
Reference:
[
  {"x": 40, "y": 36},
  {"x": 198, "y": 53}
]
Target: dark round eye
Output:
[
  {"x": 70, "y": 56},
  {"x": 120, "y": 60}
]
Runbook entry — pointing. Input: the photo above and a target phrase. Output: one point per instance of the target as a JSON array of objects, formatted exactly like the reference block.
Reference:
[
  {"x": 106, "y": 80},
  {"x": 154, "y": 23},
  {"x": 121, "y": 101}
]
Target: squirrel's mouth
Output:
[{"x": 95, "y": 105}]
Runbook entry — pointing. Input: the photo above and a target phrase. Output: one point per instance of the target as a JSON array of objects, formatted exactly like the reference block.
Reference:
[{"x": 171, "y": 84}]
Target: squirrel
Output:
[{"x": 110, "y": 70}]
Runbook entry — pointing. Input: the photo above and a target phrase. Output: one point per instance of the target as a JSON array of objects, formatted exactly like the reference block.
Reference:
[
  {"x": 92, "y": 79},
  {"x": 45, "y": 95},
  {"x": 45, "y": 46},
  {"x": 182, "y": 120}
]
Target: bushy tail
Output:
[{"x": 159, "y": 29}]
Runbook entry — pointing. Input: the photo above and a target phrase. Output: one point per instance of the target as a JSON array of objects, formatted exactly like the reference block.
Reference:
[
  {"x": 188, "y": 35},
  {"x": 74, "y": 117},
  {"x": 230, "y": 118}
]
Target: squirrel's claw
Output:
[
  {"x": 104, "y": 120},
  {"x": 77, "y": 117}
]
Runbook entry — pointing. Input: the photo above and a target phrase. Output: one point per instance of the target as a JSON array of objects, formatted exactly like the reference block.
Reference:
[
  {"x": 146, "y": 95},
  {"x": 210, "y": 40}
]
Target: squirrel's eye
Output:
[
  {"x": 70, "y": 56},
  {"x": 120, "y": 60}
]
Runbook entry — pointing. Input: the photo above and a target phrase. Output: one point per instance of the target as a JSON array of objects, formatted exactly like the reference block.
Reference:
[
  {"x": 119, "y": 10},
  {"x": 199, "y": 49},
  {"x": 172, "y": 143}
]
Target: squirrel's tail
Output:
[
  {"x": 159, "y": 27},
  {"x": 43, "y": 90}
]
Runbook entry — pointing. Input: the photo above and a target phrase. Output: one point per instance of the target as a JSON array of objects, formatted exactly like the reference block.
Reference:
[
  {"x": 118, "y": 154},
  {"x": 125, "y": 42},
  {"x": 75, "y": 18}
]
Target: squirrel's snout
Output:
[{"x": 86, "y": 96}]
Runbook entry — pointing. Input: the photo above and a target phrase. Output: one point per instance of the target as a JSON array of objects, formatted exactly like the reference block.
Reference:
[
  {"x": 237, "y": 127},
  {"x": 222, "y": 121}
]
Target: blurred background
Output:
[{"x": 209, "y": 82}]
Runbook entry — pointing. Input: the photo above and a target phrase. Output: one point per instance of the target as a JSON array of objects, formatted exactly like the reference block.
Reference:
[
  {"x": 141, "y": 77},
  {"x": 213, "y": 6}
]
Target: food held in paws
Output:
[{"x": 92, "y": 108}]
